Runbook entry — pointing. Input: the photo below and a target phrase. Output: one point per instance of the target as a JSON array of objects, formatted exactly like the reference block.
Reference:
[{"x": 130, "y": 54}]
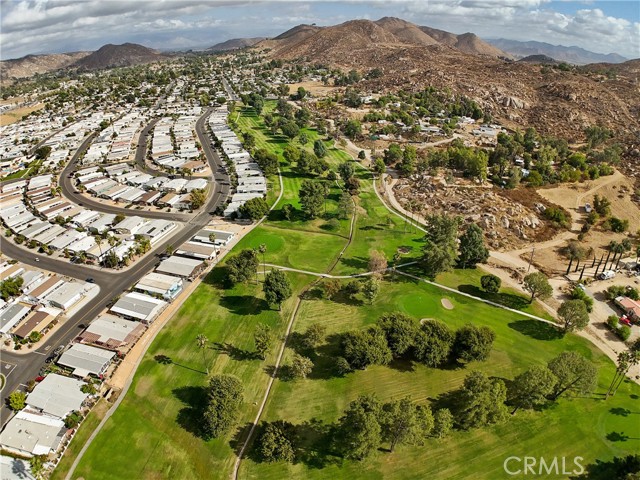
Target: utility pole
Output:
[{"x": 533, "y": 249}]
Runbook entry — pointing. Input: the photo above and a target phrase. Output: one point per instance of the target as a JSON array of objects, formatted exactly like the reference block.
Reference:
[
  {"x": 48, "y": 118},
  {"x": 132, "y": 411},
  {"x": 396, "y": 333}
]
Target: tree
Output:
[
  {"x": 11, "y": 287},
  {"x": 481, "y": 401},
  {"x": 440, "y": 251},
  {"x": 319, "y": 148},
  {"x": 300, "y": 366},
  {"x": 262, "y": 339},
  {"x": 289, "y": 128},
  {"x": 202, "y": 342},
  {"x": 276, "y": 287},
  {"x": 379, "y": 166},
  {"x": 400, "y": 332},
  {"x": 370, "y": 288},
  {"x": 72, "y": 420},
  {"x": 352, "y": 288},
  {"x": 224, "y": 397},
  {"x": 346, "y": 170},
  {"x": 43, "y": 152},
  {"x": 362, "y": 348},
  {"x": 573, "y": 314},
  {"x": 472, "y": 247},
  {"x": 242, "y": 267},
  {"x": 596, "y": 135},
  {"x": 404, "y": 422},
  {"x": 311, "y": 198},
  {"x": 490, "y": 283},
  {"x": 433, "y": 343},
  {"x": 473, "y": 343},
  {"x": 313, "y": 335},
  {"x": 574, "y": 374},
  {"x": 353, "y": 129},
  {"x": 331, "y": 288},
  {"x": 268, "y": 161},
  {"x": 625, "y": 361},
  {"x": 362, "y": 155},
  {"x": 537, "y": 284},
  {"x": 262, "y": 248},
  {"x": 601, "y": 205},
  {"x": 287, "y": 211},
  {"x": 36, "y": 464},
  {"x": 197, "y": 197},
  {"x": 442, "y": 423},
  {"x": 531, "y": 388},
  {"x": 275, "y": 444},
  {"x": 377, "y": 261},
  {"x": 17, "y": 400},
  {"x": 358, "y": 430},
  {"x": 345, "y": 206}
]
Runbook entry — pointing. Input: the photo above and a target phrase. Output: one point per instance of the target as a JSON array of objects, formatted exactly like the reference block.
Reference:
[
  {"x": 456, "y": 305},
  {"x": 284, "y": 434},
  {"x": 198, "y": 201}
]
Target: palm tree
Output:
[
  {"x": 202, "y": 342},
  {"x": 263, "y": 249}
]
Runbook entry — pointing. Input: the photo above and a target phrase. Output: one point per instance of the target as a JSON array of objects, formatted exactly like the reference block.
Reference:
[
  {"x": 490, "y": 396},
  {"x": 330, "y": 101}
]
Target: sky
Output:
[{"x": 53, "y": 26}]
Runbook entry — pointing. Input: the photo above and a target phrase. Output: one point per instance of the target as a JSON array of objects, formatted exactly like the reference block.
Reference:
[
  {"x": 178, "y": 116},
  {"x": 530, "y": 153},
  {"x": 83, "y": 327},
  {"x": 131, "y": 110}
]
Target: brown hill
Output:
[
  {"x": 31, "y": 64},
  {"x": 235, "y": 44},
  {"x": 405, "y": 31},
  {"x": 125, "y": 55},
  {"x": 519, "y": 94},
  {"x": 467, "y": 42}
]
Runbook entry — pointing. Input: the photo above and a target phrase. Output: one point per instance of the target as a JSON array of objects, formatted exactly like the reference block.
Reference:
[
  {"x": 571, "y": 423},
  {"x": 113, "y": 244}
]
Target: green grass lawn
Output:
[
  {"x": 572, "y": 427},
  {"x": 151, "y": 435}
]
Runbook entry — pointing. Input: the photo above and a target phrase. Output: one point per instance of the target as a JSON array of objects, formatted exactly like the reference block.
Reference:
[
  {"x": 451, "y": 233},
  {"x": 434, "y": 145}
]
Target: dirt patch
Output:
[
  {"x": 16, "y": 114},
  {"x": 446, "y": 303},
  {"x": 317, "y": 89}
]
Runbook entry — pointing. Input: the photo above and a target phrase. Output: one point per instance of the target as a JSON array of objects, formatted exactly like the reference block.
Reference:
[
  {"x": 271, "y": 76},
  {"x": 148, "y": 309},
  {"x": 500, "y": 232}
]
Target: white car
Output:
[{"x": 607, "y": 275}]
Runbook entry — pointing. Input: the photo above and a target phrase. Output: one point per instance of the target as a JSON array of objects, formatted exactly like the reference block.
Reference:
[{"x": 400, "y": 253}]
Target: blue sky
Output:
[{"x": 42, "y": 26}]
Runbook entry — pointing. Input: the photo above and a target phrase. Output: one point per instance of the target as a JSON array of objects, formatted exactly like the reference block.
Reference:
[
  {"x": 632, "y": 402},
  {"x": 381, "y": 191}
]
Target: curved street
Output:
[{"x": 111, "y": 283}]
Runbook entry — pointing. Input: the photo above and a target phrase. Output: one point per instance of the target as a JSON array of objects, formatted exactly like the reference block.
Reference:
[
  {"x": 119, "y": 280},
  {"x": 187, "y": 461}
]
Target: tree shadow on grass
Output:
[
  {"x": 234, "y": 352},
  {"x": 510, "y": 300},
  {"x": 402, "y": 365},
  {"x": 359, "y": 263},
  {"x": 623, "y": 412},
  {"x": 165, "y": 360},
  {"x": 616, "y": 468},
  {"x": 617, "y": 437},
  {"x": 244, "y": 304},
  {"x": 217, "y": 277},
  {"x": 324, "y": 360},
  {"x": 346, "y": 299},
  {"x": 536, "y": 329},
  {"x": 239, "y": 437},
  {"x": 314, "y": 293},
  {"x": 195, "y": 401}
]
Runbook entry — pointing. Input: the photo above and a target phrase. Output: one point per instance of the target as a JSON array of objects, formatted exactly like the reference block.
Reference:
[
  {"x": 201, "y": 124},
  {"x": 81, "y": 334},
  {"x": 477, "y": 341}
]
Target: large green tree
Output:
[
  {"x": 402, "y": 421},
  {"x": 277, "y": 287},
  {"x": 573, "y": 314},
  {"x": 481, "y": 401},
  {"x": 319, "y": 148},
  {"x": 367, "y": 347},
  {"x": 574, "y": 373},
  {"x": 275, "y": 442},
  {"x": 313, "y": 335},
  {"x": 400, "y": 331},
  {"x": 243, "y": 266},
  {"x": 311, "y": 198},
  {"x": 472, "y": 247},
  {"x": 262, "y": 339},
  {"x": 537, "y": 285},
  {"x": 532, "y": 387},
  {"x": 473, "y": 343},
  {"x": 433, "y": 343},
  {"x": 440, "y": 251},
  {"x": 254, "y": 209},
  {"x": 225, "y": 395},
  {"x": 358, "y": 433}
]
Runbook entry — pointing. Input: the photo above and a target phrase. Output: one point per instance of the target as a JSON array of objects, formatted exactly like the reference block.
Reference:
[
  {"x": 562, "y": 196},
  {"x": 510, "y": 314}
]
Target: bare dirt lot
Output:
[
  {"x": 12, "y": 116},
  {"x": 317, "y": 89}
]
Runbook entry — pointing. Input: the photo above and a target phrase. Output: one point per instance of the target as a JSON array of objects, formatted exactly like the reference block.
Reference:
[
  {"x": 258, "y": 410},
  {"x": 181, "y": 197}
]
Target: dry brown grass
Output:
[{"x": 16, "y": 115}]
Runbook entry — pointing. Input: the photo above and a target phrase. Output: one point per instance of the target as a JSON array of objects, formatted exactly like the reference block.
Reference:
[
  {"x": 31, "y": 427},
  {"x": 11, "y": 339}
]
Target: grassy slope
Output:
[{"x": 150, "y": 434}]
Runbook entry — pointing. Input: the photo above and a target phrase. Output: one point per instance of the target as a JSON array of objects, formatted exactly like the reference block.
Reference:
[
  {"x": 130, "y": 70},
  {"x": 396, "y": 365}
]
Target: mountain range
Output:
[{"x": 574, "y": 55}]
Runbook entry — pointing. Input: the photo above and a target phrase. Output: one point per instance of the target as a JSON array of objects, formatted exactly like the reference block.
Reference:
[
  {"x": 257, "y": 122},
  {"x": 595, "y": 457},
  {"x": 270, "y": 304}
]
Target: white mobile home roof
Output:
[
  {"x": 158, "y": 283},
  {"x": 130, "y": 224},
  {"x": 85, "y": 360},
  {"x": 32, "y": 434},
  {"x": 111, "y": 330},
  {"x": 138, "y": 305},
  {"x": 179, "y": 266},
  {"x": 57, "y": 395}
]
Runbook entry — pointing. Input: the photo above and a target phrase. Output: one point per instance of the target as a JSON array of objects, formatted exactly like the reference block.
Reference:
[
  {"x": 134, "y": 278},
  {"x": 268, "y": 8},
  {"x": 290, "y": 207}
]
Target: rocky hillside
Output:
[
  {"x": 125, "y": 55},
  {"x": 574, "y": 55},
  {"x": 467, "y": 42},
  {"x": 235, "y": 44},
  {"x": 544, "y": 59},
  {"x": 31, "y": 64},
  {"x": 518, "y": 94}
]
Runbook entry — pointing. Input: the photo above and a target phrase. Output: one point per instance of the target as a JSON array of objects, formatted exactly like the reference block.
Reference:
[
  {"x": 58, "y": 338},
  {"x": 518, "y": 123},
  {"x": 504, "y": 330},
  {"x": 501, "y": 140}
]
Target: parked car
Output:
[
  {"x": 625, "y": 321},
  {"x": 587, "y": 207},
  {"x": 607, "y": 275},
  {"x": 58, "y": 350}
]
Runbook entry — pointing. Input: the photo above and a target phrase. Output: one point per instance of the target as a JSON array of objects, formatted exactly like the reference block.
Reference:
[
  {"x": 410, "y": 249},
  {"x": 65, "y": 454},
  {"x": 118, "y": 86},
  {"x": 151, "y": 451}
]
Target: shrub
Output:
[
  {"x": 578, "y": 294},
  {"x": 490, "y": 283},
  {"x": 558, "y": 217},
  {"x": 624, "y": 332},
  {"x": 613, "y": 322},
  {"x": 616, "y": 225}
]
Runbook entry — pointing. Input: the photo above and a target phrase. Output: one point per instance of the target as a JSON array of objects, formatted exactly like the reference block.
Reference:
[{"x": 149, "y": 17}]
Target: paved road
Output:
[
  {"x": 141, "y": 151},
  {"x": 69, "y": 190},
  {"x": 111, "y": 283}
]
